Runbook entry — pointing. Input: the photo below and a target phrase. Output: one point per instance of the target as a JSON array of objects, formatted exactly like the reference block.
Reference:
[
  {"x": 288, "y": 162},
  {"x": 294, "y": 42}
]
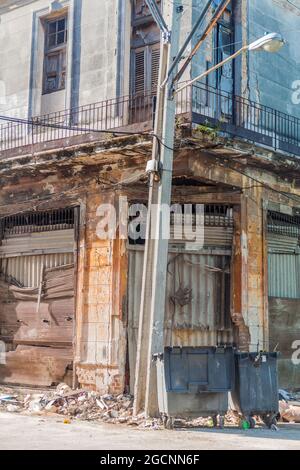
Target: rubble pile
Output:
[
  {"x": 70, "y": 403},
  {"x": 75, "y": 404},
  {"x": 289, "y": 406},
  {"x": 91, "y": 406}
]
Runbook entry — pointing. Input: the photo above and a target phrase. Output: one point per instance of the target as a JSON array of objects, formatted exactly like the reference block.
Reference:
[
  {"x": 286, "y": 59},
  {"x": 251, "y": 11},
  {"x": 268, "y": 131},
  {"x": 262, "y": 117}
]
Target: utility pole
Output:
[
  {"x": 151, "y": 322},
  {"x": 154, "y": 282}
]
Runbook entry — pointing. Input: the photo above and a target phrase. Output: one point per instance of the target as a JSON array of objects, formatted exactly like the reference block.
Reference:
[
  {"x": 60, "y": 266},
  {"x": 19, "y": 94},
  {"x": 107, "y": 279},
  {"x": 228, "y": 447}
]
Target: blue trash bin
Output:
[
  {"x": 194, "y": 382},
  {"x": 256, "y": 387}
]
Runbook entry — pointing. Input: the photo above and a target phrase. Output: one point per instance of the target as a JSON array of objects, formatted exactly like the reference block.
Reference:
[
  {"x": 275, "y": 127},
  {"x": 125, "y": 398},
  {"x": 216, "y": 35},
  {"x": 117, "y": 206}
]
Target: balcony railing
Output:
[{"x": 199, "y": 104}]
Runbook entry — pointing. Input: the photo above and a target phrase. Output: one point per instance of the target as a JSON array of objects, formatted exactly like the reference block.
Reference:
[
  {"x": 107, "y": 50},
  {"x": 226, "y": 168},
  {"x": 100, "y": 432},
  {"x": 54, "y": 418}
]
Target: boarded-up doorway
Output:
[
  {"x": 37, "y": 296},
  {"x": 198, "y": 300}
]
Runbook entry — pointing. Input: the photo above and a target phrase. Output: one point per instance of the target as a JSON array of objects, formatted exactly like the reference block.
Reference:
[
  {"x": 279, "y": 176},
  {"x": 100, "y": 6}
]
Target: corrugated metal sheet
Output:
[
  {"x": 200, "y": 323},
  {"x": 24, "y": 244},
  {"x": 27, "y": 269},
  {"x": 218, "y": 236},
  {"x": 283, "y": 275},
  {"x": 282, "y": 243},
  {"x": 283, "y": 266},
  {"x": 212, "y": 236}
]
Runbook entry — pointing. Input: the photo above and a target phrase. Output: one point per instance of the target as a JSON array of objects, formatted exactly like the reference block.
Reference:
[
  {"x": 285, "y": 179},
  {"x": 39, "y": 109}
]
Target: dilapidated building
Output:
[{"x": 69, "y": 300}]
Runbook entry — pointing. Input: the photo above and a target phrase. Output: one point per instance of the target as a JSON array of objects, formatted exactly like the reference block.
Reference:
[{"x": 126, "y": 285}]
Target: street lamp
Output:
[{"x": 272, "y": 42}]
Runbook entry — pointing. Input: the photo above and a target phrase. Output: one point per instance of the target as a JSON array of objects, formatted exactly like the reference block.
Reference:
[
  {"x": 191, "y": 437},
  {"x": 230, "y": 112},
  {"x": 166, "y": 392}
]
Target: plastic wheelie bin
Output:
[
  {"x": 256, "y": 387},
  {"x": 194, "y": 382}
]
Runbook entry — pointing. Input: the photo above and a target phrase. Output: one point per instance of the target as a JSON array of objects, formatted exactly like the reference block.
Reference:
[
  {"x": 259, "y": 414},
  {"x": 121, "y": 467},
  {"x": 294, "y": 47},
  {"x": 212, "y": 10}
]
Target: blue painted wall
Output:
[{"x": 273, "y": 79}]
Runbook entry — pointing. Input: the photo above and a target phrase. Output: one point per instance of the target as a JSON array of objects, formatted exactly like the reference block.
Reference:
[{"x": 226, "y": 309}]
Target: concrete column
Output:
[
  {"x": 101, "y": 340},
  {"x": 249, "y": 307}
]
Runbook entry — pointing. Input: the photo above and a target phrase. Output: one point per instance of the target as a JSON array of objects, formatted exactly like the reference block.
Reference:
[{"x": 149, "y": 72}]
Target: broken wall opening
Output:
[{"x": 37, "y": 296}]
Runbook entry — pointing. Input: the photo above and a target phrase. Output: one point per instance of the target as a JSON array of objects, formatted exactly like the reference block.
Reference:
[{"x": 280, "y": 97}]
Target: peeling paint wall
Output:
[
  {"x": 270, "y": 79},
  {"x": 274, "y": 79},
  {"x": 92, "y": 52}
]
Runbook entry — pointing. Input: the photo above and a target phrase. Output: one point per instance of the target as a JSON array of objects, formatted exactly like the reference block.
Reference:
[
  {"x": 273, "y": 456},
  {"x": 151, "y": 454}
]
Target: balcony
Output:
[{"x": 228, "y": 114}]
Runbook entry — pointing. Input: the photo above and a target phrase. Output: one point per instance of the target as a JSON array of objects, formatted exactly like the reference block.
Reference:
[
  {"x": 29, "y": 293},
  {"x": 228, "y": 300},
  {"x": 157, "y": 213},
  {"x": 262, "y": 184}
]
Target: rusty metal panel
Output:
[
  {"x": 201, "y": 321},
  {"x": 22, "y": 255},
  {"x": 41, "y": 242},
  {"x": 201, "y": 276},
  {"x": 217, "y": 231},
  {"x": 27, "y": 269}
]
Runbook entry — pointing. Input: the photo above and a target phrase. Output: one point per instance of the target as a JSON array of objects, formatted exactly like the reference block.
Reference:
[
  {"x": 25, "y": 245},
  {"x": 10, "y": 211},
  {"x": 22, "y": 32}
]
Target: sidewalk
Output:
[{"x": 18, "y": 432}]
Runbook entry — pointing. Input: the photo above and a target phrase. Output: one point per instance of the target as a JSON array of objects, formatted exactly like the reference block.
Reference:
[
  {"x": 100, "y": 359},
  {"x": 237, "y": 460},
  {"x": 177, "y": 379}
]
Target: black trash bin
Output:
[
  {"x": 194, "y": 382},
  {"x": 256, "y": 387}
]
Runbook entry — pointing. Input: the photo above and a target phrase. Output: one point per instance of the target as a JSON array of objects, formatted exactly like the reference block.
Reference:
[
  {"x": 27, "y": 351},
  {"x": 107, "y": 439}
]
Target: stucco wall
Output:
[
  {"x": 273, "y": 77},
  {"x": 99, "y": 53},
  {"x": 15, "y": 39},
  {"x": 92, "y": 56}
]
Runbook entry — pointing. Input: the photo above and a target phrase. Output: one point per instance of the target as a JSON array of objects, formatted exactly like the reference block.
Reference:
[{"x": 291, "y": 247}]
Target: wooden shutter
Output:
[
  {"x": 139, "y": 72},
  {"x": 155, "y": 56}
]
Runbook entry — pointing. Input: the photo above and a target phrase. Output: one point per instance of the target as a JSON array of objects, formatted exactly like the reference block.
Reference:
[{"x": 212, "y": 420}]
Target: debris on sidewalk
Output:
[
  {"x": 289, "y": 406},
  {"x": 12, "y": 408},
  {"x": 290, "y": 411},
  {"x": 12, "y": 399},
  {"x": 79, "y": 404},
  {"x": 91, "y": 406}
]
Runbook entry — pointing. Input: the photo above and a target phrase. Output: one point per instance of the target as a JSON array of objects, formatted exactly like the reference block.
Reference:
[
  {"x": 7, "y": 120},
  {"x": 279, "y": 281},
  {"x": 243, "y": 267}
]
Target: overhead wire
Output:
[
  {"x": 35, "y": 123},
  {"x": 295, "y": 198}
]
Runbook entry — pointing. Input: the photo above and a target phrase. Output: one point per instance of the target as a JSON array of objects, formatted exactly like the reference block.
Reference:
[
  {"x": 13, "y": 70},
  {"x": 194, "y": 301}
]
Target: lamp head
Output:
[{"x": 272, "y": 42}]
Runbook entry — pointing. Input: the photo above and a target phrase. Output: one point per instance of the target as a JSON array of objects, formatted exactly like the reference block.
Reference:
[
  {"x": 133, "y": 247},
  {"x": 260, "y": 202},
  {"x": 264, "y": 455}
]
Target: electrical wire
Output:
[
  {"x": 266, "y": 186},
  {"x": 295, "y": 198},
  {"x": 292, "y": 4},
  {"x": 112, "y": 132}
]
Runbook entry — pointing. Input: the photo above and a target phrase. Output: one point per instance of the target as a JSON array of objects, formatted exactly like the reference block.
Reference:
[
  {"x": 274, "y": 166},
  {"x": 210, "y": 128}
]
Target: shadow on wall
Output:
[{"x": 284, "y": 315}]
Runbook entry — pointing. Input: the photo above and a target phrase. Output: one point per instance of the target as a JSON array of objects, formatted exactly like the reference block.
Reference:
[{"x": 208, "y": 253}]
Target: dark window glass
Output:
[
  {"x": 56, "y": 33},
  {"x": 61, "y": 38},
  {"x": 52, "y": 40},
  {"x": 52, "y": 27},
  {"x": 61, "y": 25}
]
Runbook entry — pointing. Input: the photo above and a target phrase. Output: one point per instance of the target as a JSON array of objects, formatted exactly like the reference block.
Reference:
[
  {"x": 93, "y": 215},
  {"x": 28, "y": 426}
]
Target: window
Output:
[
  {"x": 146, "y": 69},
  {"x": 56, "y": 36},
  {"x": 145, "y": 50},
  {"x": 224, "y": 48}
]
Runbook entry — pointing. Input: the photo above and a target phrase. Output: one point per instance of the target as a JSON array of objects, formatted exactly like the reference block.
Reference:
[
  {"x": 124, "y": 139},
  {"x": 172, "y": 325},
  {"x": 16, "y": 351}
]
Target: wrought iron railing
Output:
[
  {"x": 247, "y": 119},
  {"x": 111, "y": 114},
  {"x": 200, "y": 104}
]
